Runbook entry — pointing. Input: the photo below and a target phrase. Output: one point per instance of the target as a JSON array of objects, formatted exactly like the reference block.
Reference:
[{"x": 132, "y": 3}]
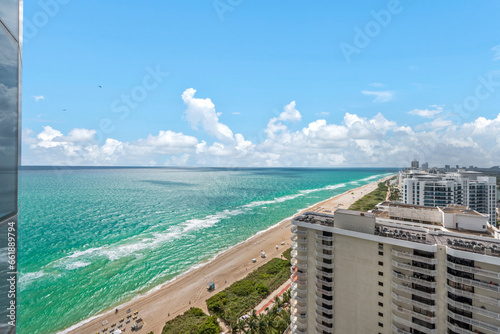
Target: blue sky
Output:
[{"x": 332, "y": 84}]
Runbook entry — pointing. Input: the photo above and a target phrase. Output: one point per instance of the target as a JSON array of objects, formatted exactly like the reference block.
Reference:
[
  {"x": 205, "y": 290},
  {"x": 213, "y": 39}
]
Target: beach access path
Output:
[{"x": 190, "y": 290}]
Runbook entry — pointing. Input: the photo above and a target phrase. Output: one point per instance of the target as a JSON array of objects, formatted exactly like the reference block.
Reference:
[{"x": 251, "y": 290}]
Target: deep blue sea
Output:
[{"x": 93, "y": 238}]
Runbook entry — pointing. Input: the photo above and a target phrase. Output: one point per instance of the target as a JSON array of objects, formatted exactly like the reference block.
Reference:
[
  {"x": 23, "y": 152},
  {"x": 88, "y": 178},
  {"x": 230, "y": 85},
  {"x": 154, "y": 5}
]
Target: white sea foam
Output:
[
  {"x": 4, "y": 255},
  {"x": 76, "y": 265},
  {"x": 28, "y": 278}
]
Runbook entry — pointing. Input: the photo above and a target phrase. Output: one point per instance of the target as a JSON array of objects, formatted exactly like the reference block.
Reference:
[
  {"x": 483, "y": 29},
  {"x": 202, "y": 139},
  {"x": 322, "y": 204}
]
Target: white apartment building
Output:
[
  {"x": 465, "y": 188},
  {"x": 358, "y": 272}
]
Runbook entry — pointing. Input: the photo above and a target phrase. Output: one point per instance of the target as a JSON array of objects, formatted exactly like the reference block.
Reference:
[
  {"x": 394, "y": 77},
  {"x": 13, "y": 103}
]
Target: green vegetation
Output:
[
  {"x": 272, "y": 321},
  {"x": 288, "y": 254},
  {"x": 244, "y": 295},
  {"x": 369, "y": 201},
  {"x": 193, "y": 321}
]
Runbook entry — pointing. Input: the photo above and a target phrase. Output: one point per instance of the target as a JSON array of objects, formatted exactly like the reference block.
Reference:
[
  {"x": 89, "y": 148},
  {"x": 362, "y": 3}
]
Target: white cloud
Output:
[
  {"x": 354, "y": 141},
  {"x": 380, "y": 96},
  {"x": 38, "y": 98},
  {"x": 202, "y": 111},
  {"x": 428, "y": 113},
  {"x": 496, "y": 52},
  {"x": 377, "y": 84}
]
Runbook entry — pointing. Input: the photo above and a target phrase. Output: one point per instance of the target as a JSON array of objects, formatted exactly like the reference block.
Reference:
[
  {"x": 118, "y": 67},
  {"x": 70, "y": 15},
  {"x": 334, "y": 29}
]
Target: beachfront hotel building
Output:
[
  {"x": 395, "y": 270},
  {"x": 470, "y": 189},
  {"x": 10, "y": 107}
]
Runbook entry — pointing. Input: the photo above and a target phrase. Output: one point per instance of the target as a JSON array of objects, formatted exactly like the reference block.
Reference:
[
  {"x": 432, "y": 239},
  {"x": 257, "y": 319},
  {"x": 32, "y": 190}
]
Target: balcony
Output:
[
  {"x": 412, "y": 313},
  {"x": 296, "y": 330},
  {"x": 410, "y": 324},
  {"x": 300, "y": 288},
  {"x": 406, "y": 266},
  {"x": 298, "y": 256},
  {"x": 320, "y": 246},
  {"x": 322, "y": 255},
  {"x": 320, "y": 301},
  {"x": 473, "y": 322},
  {"x": 481, "y": 298},
  {"x": 474, "y": 283},
  {"x": 398, "y": 330},
  {"x": 321, "y": 328},
  {"x": 409, "y": 289},
  {"x": 298, "y": 231},
  {"x": 473, "y": 270},
  {"x": 474, "y": 309},
  {"x": 457, "y": 329},
  {"x": 301, "y": 265},
  {"x": 300, "y": 320},
  {"x": 324, "y": 274},
  {"x": 298, "y": 298},
  {"x": 414, "y": 280},
  {"x": 322, "y": 291},
  {"x": 431, "y": 308},
  {"x": 321, "y": 237},
  {"x": 410, "y": 256},
  {"x": 300, "y": 248},
  {"x": 322, "y": 281},
  {"x": 321, "y": 264},
  {"x": 323, "y": 309},
  {"x": 301, "y": 307}
]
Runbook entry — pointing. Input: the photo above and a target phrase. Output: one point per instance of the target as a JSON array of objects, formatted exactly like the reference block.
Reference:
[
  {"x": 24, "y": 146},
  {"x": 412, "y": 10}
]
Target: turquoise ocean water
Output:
[{"x": 93, "y": 238}]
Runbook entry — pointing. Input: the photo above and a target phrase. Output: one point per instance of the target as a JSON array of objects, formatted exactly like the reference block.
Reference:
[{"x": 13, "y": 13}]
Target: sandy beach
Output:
[{"x": 189, "y": 290}]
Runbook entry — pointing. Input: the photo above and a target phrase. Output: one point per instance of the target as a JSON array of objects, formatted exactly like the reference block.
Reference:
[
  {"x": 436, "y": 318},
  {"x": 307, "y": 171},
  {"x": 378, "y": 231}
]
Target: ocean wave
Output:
[
  {"x": 4, "y": 255},
  {"x": 28, "y": 278},
  {"x": 76, "y": 265}
]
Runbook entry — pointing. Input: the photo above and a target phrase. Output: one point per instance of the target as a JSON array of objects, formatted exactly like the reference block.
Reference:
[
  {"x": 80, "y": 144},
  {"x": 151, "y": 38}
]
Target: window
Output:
[
  {"x": 380, "y": 263},
  {"x": 380, "y": 284},
  {"x": 381, "y": 294},
  {"x": 380, "y": 273},
  {"x": 381, "y": 253},
  {"x": 380, "y": 324},
  {"x": 380, "y": 314},
  {"x": 381, "y": 246},
  {"x": 380, "y": 304}
]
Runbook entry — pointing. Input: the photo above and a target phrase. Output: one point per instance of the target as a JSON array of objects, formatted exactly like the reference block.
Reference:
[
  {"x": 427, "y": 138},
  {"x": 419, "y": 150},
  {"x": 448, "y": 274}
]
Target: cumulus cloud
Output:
[
  {"x": 202, "y": 111},
  {"x": 380, "y": 96},
  {"x": 428, "y": 112},
  {"x": 353, "y": 141}
]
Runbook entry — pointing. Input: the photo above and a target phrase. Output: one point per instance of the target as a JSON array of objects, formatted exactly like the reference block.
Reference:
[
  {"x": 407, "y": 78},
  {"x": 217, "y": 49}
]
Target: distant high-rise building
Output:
[
  {"x": 425, "y": 166},
  {"x": 414, "y": 164},
  {"x": 464, "y": 188},
  {"x": 394, "y": 272},
  {"x": 10, "y": 107}
]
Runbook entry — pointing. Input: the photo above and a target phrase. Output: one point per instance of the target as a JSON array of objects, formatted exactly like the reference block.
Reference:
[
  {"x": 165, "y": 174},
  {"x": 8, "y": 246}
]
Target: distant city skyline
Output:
[{"x": 258, "y": 84}]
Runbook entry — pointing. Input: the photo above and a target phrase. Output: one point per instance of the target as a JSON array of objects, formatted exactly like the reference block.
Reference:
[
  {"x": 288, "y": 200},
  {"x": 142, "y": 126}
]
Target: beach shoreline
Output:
[{"x": 174, "y": 297}]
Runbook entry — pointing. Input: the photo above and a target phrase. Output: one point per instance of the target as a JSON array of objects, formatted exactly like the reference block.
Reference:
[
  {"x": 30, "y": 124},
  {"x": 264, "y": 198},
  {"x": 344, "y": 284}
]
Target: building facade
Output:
[
  {"x": 467, "y": 189},
  {"x": 10, "y": 107},
  {"x": 358, "y": 273}
]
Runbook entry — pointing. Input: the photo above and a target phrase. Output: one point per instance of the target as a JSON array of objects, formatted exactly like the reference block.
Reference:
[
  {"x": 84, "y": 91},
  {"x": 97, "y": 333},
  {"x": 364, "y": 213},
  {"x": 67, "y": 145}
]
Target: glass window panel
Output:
[
  {"x": 8, "y": 123},
  {"x": 9, "y": 14}
]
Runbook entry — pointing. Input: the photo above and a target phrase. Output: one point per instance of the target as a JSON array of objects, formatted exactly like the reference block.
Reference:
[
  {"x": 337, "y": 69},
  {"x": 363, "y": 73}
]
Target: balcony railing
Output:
[
  {"x": 473, "y": 270},
  {"x": 320, "y": 301},
  {"x": 298, "y": 239},
  {"x": 431, "y": 308},
  {"x": 414, "y": 280},
  {"x": 301, "y": 265},
  {"x": 405, "y": 322},
  {"x": 300, "y": 248},
  {"x": 398, "y": 330},
  {"x": 414, "y": 268},
  {"x": 298, "y": 231},
  {"x": 322, "y": 328},
  {"x": 412, "y": 313},
  {"x": 481, "y": 298},
  {"x": 410, "y": 256},
  {"x": 299, "y": 256},
  {"x": 320, "y": 272},
  {"x": 321, "y": 318},
  {"x": 300, "y": 288},
  {"x": 320, "y": 245},
  {"x": 323, "y": 309},
  {"x": 321, "y": 291},
  {"x": 322, "y": 281},
  {"x": 300, "y": 321},
  {"x": 478, "y": 284},
  {"x": 321, "y": 264},
  {"x": 475, "y": 309},
  {"x": 473, "y": 322},
  {"x": 324, "y": 237},
  {"x": 322, "y": 255},
  {"x": 296, "y": 330},
  {"x": 457, "y": 329},
  {"x": 301, "y": 307},
  {"x": 407, "y": 288},
  {"x": 298, "y": 298}
]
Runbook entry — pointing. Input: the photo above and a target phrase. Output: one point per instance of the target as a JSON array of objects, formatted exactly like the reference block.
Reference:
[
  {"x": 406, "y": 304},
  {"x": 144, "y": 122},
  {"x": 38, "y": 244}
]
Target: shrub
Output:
[
  {"x": 262, "y": 289},
  {"x": 243, "y": 288}
]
